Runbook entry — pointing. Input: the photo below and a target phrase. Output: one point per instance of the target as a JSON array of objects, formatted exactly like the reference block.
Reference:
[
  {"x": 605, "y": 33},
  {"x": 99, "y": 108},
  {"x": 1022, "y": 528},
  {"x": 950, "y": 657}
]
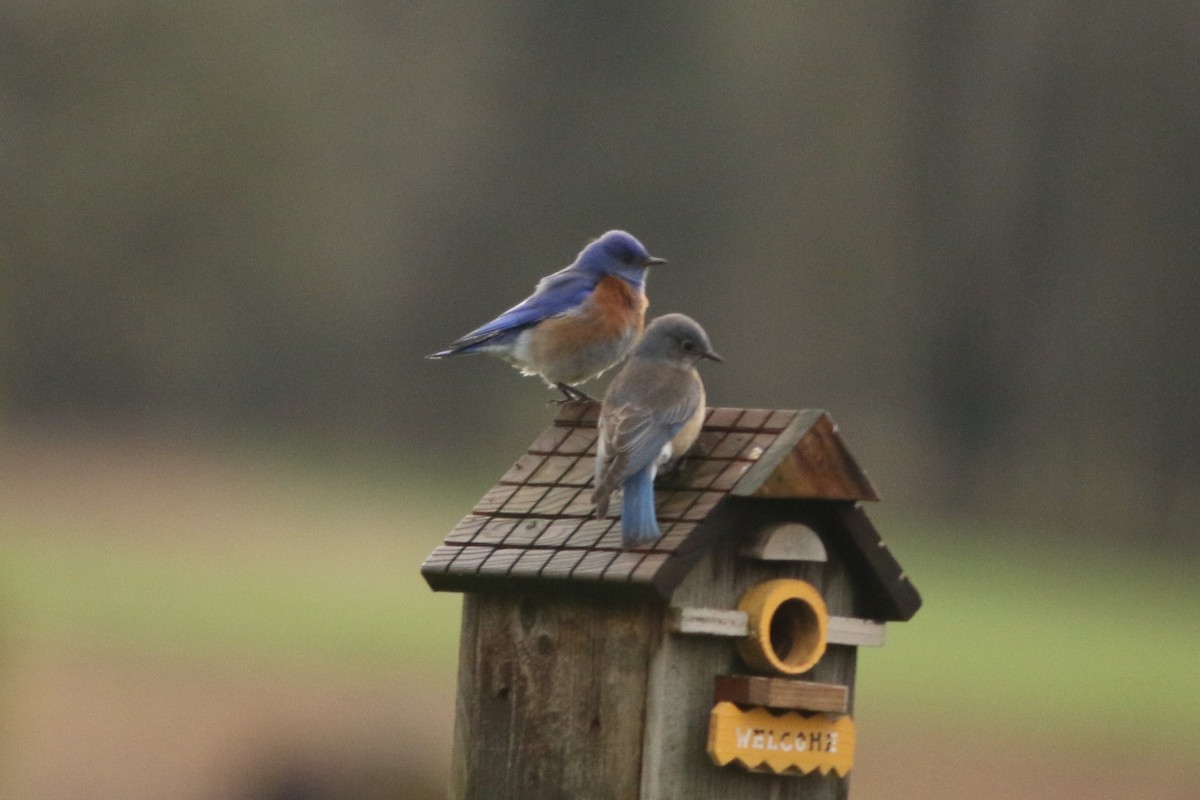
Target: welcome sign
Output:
[{"x": 762, "y": 741}]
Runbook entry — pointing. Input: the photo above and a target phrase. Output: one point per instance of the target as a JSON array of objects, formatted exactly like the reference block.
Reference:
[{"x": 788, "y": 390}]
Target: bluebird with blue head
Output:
[
  {"x": 651, "y": 415},
  {"x": 578, "y": 322}
]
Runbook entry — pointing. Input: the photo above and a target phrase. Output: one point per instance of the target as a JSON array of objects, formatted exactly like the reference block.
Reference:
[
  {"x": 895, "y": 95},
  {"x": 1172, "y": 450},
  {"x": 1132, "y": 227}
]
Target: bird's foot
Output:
[{"x": 572, "y": 395}]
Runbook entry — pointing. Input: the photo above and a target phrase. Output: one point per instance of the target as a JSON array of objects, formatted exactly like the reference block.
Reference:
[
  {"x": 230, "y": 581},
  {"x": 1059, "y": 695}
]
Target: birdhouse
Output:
[{"x": 718, "y": 662}]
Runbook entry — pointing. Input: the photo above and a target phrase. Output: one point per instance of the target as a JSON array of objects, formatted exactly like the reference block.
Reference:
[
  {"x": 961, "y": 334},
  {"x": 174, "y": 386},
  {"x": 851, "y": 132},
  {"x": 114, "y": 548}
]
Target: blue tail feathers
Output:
[
  {"x": 639, "y": 526},
  {"x": 468, "y": 345}
]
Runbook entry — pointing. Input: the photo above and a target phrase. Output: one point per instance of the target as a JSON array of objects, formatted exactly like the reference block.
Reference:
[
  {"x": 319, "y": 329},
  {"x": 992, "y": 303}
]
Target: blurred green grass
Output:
[
  {"x": 1026, "y": 636},
  {"x": 1019, "y": 635},
  {"x": 228, "y": 608},
  {"x": 300, "y": 567}
]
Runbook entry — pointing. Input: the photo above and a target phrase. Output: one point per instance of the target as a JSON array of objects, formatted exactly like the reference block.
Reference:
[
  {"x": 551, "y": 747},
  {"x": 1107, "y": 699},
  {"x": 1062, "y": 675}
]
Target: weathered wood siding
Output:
[
  {"x": 552, "y": 695},
  {"x": 675, "y": 761}
]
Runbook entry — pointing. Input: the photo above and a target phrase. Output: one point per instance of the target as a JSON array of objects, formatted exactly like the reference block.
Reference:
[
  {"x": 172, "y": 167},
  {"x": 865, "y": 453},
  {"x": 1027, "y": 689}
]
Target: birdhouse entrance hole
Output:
[
  {"x": 788, "y": 626},
  {"x": 795, "y": 632}
]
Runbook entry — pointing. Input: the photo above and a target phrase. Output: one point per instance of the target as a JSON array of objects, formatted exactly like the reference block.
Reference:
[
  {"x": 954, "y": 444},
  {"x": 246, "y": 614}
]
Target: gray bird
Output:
[{"x": 651, "y": 415}]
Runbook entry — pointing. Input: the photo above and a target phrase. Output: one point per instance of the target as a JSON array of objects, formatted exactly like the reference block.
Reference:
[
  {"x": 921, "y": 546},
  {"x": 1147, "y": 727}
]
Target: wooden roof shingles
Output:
[{"x": 536, "y": 528}]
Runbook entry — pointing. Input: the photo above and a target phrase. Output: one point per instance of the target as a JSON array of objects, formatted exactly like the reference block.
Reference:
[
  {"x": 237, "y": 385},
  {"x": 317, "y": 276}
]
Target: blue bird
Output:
[
  {"x": 578, "y": 322},
  {"x": 651, "y": 415}
]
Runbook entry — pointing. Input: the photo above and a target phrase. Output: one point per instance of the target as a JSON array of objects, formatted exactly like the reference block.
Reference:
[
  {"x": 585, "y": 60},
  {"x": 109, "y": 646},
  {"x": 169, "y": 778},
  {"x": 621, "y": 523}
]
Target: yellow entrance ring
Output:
[{"x": 788, "y": 624}]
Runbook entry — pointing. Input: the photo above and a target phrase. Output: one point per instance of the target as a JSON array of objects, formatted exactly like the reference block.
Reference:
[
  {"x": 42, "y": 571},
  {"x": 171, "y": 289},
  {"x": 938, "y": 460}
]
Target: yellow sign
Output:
[{"x": 762, "y": 741}]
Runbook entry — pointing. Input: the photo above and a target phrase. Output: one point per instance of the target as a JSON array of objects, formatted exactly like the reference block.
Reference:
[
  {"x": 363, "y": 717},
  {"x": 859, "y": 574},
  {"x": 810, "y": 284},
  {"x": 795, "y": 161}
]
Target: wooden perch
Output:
[
  {"x": 733, "y": 623},
  {"x": 787, "y": 693}
]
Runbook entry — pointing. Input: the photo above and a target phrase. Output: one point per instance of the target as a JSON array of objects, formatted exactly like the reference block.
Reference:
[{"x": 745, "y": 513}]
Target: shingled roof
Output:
[{"x": 535, "y": 528}]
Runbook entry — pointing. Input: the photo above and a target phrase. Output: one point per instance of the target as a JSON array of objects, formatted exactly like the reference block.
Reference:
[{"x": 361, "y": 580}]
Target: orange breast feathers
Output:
[
  {"x": 583, "y": 343},
  {"x": 619, "y": 307}
]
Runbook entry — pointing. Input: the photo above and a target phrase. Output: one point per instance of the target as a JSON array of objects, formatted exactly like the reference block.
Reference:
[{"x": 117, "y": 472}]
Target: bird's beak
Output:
[
  {"x": 712, "y": 356},
  {"x": 655, "y": 261}
]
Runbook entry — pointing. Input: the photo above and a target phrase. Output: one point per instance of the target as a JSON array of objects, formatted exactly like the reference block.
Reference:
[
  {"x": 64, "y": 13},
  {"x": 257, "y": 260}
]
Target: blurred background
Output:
[{"x": 231, "y": 230}]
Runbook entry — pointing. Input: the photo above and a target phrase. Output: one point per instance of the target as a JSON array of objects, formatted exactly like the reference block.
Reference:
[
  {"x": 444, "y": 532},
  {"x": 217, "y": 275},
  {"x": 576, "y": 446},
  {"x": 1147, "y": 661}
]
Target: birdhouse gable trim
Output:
[{"x": 808, "y": 460}]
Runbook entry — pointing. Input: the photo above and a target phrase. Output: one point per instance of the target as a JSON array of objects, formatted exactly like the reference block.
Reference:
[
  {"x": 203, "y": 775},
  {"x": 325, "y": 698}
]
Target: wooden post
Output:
[{"x": 552, "y": 695}]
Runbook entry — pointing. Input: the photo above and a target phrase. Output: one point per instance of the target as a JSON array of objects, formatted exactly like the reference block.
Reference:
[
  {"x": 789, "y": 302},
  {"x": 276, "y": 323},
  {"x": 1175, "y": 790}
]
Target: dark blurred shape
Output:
[{"x": 967, "y": 229}]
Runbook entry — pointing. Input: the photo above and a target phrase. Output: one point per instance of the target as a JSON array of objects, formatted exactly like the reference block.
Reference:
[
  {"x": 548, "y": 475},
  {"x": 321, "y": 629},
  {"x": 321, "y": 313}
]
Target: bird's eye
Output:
[
  {"x": 689, "y": 345},
  {"x": 627, "y": 257}
]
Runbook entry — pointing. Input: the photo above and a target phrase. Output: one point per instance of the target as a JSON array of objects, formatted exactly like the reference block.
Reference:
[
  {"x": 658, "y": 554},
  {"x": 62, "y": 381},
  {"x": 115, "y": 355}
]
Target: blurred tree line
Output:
[{"x": 971, "y": 230}]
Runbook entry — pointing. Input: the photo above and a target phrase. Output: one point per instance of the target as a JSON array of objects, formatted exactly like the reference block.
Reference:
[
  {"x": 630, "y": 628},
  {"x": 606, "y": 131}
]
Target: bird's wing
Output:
[
  {"x": 645, "y": 407},
  {"x": 555, "y": 294}
]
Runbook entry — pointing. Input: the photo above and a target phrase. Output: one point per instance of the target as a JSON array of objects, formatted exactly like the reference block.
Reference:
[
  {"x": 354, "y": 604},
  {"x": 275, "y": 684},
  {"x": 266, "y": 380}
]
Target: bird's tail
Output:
[
  {"x": 478, "y": 343},
  {"x": 639, "y": 526},
  {"x": 450, "y": 351}
]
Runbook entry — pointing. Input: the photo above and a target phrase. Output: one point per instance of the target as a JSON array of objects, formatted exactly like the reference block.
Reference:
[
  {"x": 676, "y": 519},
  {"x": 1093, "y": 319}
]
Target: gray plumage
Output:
[{"x": 651, "y": 415}]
